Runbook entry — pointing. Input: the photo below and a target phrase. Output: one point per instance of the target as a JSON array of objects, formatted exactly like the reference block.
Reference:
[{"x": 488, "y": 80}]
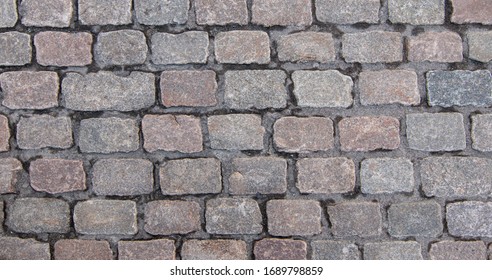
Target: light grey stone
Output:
[
  {"x": 415, "y": 219},
  {"x": 122, "y": 47},
  {"x": 386, "y": 175},
  {"x": 110, "y": 217},
  {"x": 362, "y": 219},
  {"x": 42, "y": 131},
  {"x": 233, "y": 216},
  {"x": 1, "y": 215},
  {"x": 479, "y": 43},
  {"x": 213, "y": 12},
  {"x": 161, "y": 12},
  {"x": 236, "y": 132},
  {"x": 306, "y": 46},
  {"x": 416, "y": 12},
  {"x": 347, "y": 11},
  {"x": 107, "y": 12},
  {"x": 15, "y": 49},
  {"x": 395, "y": 250},
  {"x": 183, "y": 48},
  {"x": 52, "y": 13},
  {"x": 108, "y": 135},
  {"x": 8, "y": 13},
  {"x": 372, "y": 47},
  {"x": 334, "y": 250},
  {"x": 469, "y": 219},
  {"x": 264, "y": 175},
  {"x": 325, "y": 175},
  {"x": 481, "y": 133},
  {"x": 458, "y": 250}
]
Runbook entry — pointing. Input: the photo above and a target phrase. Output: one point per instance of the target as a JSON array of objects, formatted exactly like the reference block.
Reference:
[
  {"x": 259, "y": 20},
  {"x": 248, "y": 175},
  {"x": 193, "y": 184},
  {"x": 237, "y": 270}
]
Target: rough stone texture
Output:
[
  {"x": 15, "y": 49},
  {"x": 456, "y": 177},
  {"x": 63, "y": 48},
  {"x": 305, "y": 222},
  {"x": 57, "y": 175},
  {"x": 306, "y": 47},
  {"x": 161, "y": 12},
  {"x": 411, "y": 219},
  {"x": 218, "y": 249},
  {"x": 481, "y": 133},
  {"x": 303, "y": 135},
  {"x": 108, "y": 12},
  {"x": 14, "y": 248},
  {"x": 469, "y": 219},
  {"x": 4, "y": 133},
  {"x": 327, "y": 88},
  {"x": 77, "y": 249},
  {"x": 190, "y": 176},
  {"x": 233, "y": 216},
  {"x": 1, "y": 215},
  {"x": 37, "y": 215},
  {"x": 242, "y": 47},
  {"x": 389, "y": 87},
  {"x": 212, "y": 12},
  {"x": 369, "y": 133},
  {"x": 29, "y": 90},
  {"x": 325, "y": 175},
  {"x": 122, "y": 177},
  {"x": 122, "y": 47},
  {"x": 236, "y": 132},
  {"x": 280, "y": 249},
  {"x": 8, "y": 13},
  {"x": 459, "y": 88},
  {"x": 334, "y": 250},
  {"x": 188, "y": 88},
  {"x": 159, "y": 249},
  {"x": 458, "y": 250},
  {"x": 107, "y": 91},
  {"x": 164, "y": 217},
  {"x": 471, "y": 11},
  {"x": 259, "y": 175},
  {"x": 416, "y": 12},
  {"x": 183, "y": 48},
  {"x": 180, "y": 133},
  {"x": 10, "y": 171},
  {"x": 41, "y": 131},
  {"x": 362, "y": 219},
  {"x": 435, "y": 46},
  {"x": 478, "y": 45},
  {"x": 386, "y": 175},
  {"x": 396, "y": 250},
  {"x": 347, "y": 11},
  {"x": 52, "y": 13},
  {"x": 436, "y": 132},
  {"x": 372, "y": 47},
  {"x": 109, "y": 217},
  {"x": 281, "y": 12},
  {"x": 108, "y": 135}
]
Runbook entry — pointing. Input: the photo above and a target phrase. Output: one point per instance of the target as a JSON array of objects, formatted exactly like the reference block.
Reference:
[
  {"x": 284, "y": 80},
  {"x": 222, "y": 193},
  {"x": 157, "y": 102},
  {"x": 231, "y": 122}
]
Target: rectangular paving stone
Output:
[
  {"x": 190, "y": 176},
  {"x": 347, "y": 11},
  {"x": 369, "y": 133},
  {"x": 108, "y": 135},
  {"x": 386, "y": 175},
  {"x": 78, "y": 249},
  {"x": 8, "y": 13},
  {"x": 63, "y": 48},
  {"x": 161, "y": 12},
  {"x": 52, "y": 13},
  {"x": 212, "y": 12},
  {"x": 471, "y": 11},
  {"x": 458, "y": 250},
  {"x": 459, "y": 88},
  {"x": 305, "y": 222},
  {"x": 42, "y": 131},
  {"x": 436, "y": 132},
  {"x": 394, "y": 250},
  {"x": 325, "y": 175},
  {"x": 301, "y": 135},
  {"x": 182, "y": 48},
  {"x": 260, "y": 89},
  {"x": 478, "y": 45},
  {"x": 233, "y": 216},
  {"x": 361, "y": 219},
  {"x": 263, "y": 175},
  {"x": 165, "y": 217},
  {"x": 188, "y": 88},
  {"x": 57, "y": 175},
  {"x": 218, "y": 249},
  {"x": 389, "y": 87},
  {"x": 14, "y": 248},
  {"x": 481, "y": 132},
  {"x": 436, "y": 47},
  {"x": 334, "y": 250},
  {"x": 415, "y": 219},
  {"x": 281, "y": 12},
  {"x": 38, "y": 215},
  {"x": 106, "y": 91},
  {"x": 4, "y": 133},
  {"x": 242, "y": 47},
  {"x": 108, "y": 12},
  {"x": 122, "y": 47},
  {"x": 15, "y": 49},
  {"x": 280, "y": 249},
  {"x": 306, "y": 47},
  {"x": 10, "y": 172},
  {"x": 236, "y": 132},
  {"x": 159, "y": 249},
  {"x": 109, "y": 217},
  {"x": 318, "y": 89},
  {"x": 122, "y": 177},
  {"x": 416, "y": 12},
  {"x": 469, "y": 219},
  {"x": 372, "y": 47}
]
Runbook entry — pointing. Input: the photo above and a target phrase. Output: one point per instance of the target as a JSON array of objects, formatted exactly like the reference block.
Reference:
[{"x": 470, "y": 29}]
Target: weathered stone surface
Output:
[
  {"x": 327, "y": 88},
  {"x": 122, "y": 47},
  {"x": 233, "y": 216},
  {"x": 78, "y": 249},
  {"x": 96, "y": 12},
  {"x": 10, "y": 170},
  {"x": 212, "y": 12},
  {"x": 106, "y": 91},
  {"x": 63, "y": 48},
  {"x": 164, "y": 217},
  {"x": 281, "y": 12},
  {"x": 305, "y": 222},
  {"x": 481, "y": 132},
  {"x": 236, "y": 132},
  {"x": 190, "y": 176},
  {"x": 456, "y": 177},
  {"x": 386, "y": 175},
  {"x": 161, "y": 12},
  {"x": 41, "y": 131},
  {"x": 372, "y": 47},
  {"x": 325, "y": 175},
  {"x": 57, "y": 175},
  {"x": 264, "y": 175},
  {"x": 159, "y": 249},
  {"x": 183, "y": 48},
  {"x": 218, "y": 249},
  {"x": 108, "y": 135},
  {"x": 368, "y": 133},
  {"x": 416, "y": 12},
  {"x": 37, "y": 215},
  {"x": 4, "y": 133},
  {"x": 122, "y": 177},
  {"x": 242, "y": 47},
  {"x": 334, "y": 250},
  {"x": 280, "y": 249},
  {"x": 389, "y": 87},
  {"x": 362, "y": 219},
  {"x": 410, "y": 219},
  {"x": 436, "y": 132},
  {"x": 395, "y": 250},
  {"x": 306, "y": 46},
  {"x": 1, "y": 214},
  {"x": 29, "y": 90},
  {"x": 469, "y": 219},
  {"x": 478, "y": 45},
  {"x": 14, "y": 248},
  {"x": 180, "y": 133},
  {"x": 347, "y": 11},
  {"x": 472, "y": 11},
  {"x": 260, "y": 89},
  {"x": 52, "y": 13},
  {"x": 301, "y": 135},
  {"x": 458, "y": 250},
  {"x": 189, "y": 88},
  {"x": 459, "y": 88},
  {"x": 435, "y": 46},
  {"x": 8, "y": 14},
  {"x": 15, "y": 49},
  {"x": 106, "y": 217}
]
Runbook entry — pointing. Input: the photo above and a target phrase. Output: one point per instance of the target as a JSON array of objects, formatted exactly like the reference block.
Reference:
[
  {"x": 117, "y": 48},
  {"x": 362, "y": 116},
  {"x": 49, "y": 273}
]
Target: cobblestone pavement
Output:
[{"x": 245, "y": 129}]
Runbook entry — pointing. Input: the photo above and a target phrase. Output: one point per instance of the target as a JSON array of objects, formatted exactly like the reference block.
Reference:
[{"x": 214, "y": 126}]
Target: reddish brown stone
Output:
[
  {"x": 4, "y": 134},
  {"x": 300, "y": 135},
  {"x": 280, "y": 249},
  {"x": 282, "y": 12},
  {"x": 472, "y": 11},
  {"x": 213, "y": 12},
  {"x": 13, "y": 248},
  {"x": 306, "y": 46},
  {"x": 389, "y": 87},
  {"x": 435, "y": 46},
  {"x": 10, "y": 169},
  {"x": 220, "y": 249},
  {"x": 57, "y": 175},
  {"x": 76, "y": 249},
  {"x": 306, "y": 220},
  {"x": 63, "y": 49},
  {"x": 325, "y": 175},
  {"x": 164, "y": 217},
  {"x": 242, "y": 47},
  {"x": 162, "y": 249},
  {"x": 369, "y": 133},
  {"x": 188, "y": 88},
  {"x": 107, "y": 217}
]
